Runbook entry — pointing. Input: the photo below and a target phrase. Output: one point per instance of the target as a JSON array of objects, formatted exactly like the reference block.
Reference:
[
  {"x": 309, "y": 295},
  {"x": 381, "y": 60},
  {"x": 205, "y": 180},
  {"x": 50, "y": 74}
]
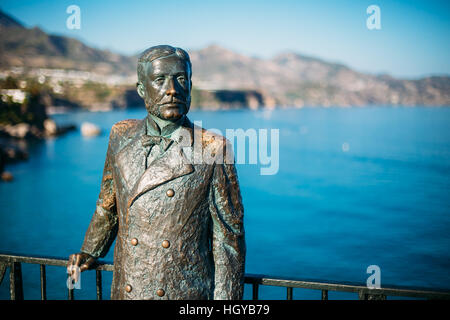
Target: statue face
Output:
[{"x": 167, "y": 88}]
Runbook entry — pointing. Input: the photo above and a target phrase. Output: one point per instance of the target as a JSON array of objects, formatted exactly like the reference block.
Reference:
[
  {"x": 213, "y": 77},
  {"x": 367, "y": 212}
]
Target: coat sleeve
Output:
[
  {"x": 228, "y": 236},
  {"x": 103, "y": 227}
]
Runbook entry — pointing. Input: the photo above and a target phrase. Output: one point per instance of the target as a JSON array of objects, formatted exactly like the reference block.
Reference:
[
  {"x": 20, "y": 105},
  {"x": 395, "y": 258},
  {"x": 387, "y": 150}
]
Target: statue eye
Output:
[
  {"x": 159, "y": 80},
  {"x": 182, "y": 79}
]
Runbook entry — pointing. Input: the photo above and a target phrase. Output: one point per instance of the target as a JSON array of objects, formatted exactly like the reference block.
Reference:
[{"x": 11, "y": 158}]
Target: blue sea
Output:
[{"x": 355, "y": 187}]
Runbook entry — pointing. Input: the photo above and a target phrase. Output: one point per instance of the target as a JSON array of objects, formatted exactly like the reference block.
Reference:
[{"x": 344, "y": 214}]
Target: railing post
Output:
[
  {"x": 70, "y": 294},
  {"x": 289, "y": 293},
  {"x": 15, "y": 281},
  {"x": 98, "y": 280},
  {"x": 3, "y": 267},
  {"x": 43, "y": 283},
  {"x": 255, "y": 291},
  {"x": 362, "y": 295},
  {"x": 324, "y": 294}
]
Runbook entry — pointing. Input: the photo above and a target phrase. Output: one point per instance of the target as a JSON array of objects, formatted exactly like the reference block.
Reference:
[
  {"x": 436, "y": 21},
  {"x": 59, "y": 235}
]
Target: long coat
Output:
[{"x": 178, "y": 222}]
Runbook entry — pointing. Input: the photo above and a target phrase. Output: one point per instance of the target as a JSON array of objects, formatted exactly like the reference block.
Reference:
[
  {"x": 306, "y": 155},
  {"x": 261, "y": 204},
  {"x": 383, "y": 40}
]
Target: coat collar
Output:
[{"x": 173, "y": 163}]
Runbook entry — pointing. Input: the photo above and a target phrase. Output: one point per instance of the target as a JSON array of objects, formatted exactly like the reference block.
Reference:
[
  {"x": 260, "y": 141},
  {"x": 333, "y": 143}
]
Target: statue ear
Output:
[{"x": 140, "y": 90}]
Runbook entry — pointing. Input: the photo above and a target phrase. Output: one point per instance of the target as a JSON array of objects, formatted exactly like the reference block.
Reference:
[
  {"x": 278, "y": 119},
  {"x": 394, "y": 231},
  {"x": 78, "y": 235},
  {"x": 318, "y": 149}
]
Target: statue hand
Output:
[{"x": 79, "y": 262}]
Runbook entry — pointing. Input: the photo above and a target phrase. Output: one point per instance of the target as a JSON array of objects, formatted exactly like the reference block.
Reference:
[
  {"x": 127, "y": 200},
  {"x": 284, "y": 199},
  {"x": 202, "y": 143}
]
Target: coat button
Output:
[
  {"x": 166, "y": 244},
  {"x": 170, "y": 193},
  {"x": 160, "y": 292},
  {"x": 134, "y": 241},
  {"x": 128, "y": 288}
]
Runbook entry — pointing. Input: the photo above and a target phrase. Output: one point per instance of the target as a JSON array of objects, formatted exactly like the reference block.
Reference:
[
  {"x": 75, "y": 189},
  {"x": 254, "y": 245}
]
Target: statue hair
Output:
[{"x": 158, "y": 52}]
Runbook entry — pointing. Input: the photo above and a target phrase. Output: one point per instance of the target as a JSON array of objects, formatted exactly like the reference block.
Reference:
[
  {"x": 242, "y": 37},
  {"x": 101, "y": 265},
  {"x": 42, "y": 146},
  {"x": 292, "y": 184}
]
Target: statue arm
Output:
[
  {"x": 228, "y": 236},
  {"x": 103, "y": 227}
]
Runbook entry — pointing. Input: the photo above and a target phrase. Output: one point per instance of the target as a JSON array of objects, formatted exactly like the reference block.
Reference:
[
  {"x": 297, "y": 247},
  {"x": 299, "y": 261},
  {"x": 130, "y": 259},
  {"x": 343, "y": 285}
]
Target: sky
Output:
[{"x": 413, "y": 40}]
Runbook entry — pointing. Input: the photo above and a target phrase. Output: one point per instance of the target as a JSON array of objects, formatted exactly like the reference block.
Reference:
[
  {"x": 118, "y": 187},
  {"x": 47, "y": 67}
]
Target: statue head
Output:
[{"x": 164, "y": 81}]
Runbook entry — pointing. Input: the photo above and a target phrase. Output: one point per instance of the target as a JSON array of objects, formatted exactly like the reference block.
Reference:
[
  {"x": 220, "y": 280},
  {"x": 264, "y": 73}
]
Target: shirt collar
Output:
[{"x": 168, "y": 130}]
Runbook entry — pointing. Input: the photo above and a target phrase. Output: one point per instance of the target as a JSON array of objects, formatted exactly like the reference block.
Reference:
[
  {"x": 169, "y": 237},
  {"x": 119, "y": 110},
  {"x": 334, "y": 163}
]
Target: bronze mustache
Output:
[{"x": 173, "y": 102}]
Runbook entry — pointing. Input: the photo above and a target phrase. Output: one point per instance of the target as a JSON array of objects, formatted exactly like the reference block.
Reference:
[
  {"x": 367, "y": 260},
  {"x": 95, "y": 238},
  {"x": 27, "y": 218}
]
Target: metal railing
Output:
[{"x": 14, "y": 263}]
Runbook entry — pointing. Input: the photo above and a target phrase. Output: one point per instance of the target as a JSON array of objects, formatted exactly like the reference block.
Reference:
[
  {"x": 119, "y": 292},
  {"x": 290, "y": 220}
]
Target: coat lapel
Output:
[
  {"x": 131, "y": 159},
  {"x": 172, "y": 164}
]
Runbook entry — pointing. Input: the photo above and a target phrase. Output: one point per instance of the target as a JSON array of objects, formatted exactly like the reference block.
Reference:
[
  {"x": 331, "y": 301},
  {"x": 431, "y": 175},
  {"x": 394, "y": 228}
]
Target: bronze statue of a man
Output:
[{"x": 178, "y": 221}]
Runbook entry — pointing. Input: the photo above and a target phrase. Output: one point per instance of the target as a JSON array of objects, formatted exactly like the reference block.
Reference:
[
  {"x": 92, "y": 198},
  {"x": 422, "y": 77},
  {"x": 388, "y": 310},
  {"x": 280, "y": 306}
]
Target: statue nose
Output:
[{"x": 171, "y": 91}]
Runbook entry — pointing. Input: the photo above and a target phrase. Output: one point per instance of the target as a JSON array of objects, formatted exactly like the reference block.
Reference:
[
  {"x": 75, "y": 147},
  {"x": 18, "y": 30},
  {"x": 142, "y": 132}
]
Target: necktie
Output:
[{"x": 150, "y": 141}]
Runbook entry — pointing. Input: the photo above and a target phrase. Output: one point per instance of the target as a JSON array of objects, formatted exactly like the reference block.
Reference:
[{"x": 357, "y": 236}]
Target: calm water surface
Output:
[{"x": 355, "y": 187}]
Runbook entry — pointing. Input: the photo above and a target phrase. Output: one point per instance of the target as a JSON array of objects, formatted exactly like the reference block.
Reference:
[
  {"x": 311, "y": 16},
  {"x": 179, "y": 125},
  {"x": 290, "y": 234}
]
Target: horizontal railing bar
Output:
[
  {"x": 266, "y": 280},
  {"x": 347, "y": 287},
  {"x": 50, "y": 261}
]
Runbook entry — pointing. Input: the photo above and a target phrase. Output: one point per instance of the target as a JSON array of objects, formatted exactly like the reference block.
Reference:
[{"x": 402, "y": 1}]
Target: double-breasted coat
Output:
[{"x": 178, "y": 222}]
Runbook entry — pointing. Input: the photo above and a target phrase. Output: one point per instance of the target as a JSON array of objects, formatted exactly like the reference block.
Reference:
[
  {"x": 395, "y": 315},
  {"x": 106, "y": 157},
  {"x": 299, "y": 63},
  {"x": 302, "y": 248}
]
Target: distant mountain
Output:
[
  {"x": 288, "y": 79},
  {"x": 8, "y": 21},
  {"x": 20, "y": 46},
  {"x": 295, "y": 80}
]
